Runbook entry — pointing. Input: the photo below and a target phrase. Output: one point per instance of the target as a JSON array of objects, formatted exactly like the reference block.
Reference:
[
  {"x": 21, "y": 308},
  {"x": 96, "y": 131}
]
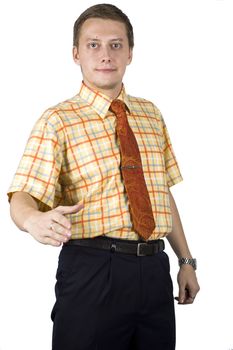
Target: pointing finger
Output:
[{"x": 69, "y": 209}]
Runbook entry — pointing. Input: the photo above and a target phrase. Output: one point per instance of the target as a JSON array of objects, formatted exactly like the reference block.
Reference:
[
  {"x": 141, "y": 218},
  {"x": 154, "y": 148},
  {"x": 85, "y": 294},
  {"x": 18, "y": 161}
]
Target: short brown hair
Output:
[{"x": 103, "y": 11}]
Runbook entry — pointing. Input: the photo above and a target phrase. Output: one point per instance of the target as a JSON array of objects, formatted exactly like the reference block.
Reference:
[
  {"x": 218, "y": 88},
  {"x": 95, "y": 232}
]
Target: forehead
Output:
[{"x": 99, "y": 28}]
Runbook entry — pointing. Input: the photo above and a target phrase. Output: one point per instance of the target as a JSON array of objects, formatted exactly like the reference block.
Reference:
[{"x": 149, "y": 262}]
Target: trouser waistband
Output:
[{"x": 137, "y": 248}]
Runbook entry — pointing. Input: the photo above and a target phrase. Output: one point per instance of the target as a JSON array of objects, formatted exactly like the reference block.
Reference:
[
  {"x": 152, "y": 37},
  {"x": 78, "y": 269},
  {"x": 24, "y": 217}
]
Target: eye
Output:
[
  {"x": 116, "y": 45},
  {"x": 93, "y": 45}
]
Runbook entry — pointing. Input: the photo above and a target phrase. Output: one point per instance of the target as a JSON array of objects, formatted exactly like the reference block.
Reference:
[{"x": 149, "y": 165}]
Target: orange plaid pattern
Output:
[{"x": 73, "y": 155}]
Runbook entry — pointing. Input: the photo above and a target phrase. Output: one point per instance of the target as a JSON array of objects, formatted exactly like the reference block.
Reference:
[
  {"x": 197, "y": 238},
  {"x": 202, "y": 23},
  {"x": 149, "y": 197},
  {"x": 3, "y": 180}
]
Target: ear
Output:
[
  {"x": 76, "y": 55},
  {"x": 130, "y": 57}
]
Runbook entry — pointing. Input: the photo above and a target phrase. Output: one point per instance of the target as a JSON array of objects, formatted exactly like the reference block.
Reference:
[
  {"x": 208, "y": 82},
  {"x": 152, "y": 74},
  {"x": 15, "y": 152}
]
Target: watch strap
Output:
[{"x": 188, "y": 261}]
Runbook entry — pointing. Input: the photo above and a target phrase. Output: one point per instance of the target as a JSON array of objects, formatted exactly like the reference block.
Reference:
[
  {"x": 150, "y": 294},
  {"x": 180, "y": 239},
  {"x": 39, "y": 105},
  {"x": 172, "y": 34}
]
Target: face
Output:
[{"x": 103, "y": 54}]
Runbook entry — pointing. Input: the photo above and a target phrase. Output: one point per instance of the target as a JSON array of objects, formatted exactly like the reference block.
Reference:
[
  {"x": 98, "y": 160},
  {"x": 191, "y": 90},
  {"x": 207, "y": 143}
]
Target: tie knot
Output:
[{"x": 118, "y": 107}]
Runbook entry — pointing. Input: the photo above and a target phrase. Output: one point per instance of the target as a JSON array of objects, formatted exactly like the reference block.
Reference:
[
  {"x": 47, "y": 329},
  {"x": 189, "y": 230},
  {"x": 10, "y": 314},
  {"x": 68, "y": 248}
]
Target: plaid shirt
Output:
[{"x": 73, "y": 156}]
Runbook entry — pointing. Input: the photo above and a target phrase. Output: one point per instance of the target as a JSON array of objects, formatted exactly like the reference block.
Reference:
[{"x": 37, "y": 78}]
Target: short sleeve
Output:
[
  {"x": 39, "y": 169},
  {"x": 172, "y": 169}
]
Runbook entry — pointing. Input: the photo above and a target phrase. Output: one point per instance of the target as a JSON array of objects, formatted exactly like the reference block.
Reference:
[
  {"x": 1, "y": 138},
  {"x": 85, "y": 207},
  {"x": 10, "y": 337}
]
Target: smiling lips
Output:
[{"x": 105, "y": 70}]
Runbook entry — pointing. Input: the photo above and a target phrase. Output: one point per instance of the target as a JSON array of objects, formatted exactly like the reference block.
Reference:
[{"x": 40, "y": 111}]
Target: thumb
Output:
[
  {"x": 72, "y": 209},
  {"x": 182, "y": 295}
]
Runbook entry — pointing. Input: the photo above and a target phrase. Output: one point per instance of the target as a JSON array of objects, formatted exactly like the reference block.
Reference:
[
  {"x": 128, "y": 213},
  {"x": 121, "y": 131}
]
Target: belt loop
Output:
[{"x": 113, "y": 247}]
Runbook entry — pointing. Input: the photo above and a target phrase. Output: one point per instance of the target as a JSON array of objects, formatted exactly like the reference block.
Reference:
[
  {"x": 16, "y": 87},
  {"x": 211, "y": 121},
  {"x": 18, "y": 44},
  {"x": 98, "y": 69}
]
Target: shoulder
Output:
[
  {"x": 138, "y": 104},
  {"x": 142, "y": 106},
  {"x": 61, "y": 114},
  {"x": 147, "y": 110}
]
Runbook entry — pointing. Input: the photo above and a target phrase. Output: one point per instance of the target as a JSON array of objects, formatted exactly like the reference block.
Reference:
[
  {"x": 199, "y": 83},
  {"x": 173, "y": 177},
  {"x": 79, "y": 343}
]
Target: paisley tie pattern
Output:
[{"x": 132, "y": 173}]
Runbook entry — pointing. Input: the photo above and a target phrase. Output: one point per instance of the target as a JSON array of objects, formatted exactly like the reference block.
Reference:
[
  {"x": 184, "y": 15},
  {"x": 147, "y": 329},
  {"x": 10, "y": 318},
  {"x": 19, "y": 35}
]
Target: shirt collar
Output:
[{"x": 100, "y": 102}]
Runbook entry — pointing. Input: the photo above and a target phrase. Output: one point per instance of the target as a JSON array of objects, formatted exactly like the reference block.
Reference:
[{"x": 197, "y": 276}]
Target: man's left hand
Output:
[{"x": 188, "y": 285}]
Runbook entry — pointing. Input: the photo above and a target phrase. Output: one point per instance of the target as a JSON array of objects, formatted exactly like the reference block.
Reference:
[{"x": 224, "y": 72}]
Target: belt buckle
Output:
[{"x": 139, "y": 245}]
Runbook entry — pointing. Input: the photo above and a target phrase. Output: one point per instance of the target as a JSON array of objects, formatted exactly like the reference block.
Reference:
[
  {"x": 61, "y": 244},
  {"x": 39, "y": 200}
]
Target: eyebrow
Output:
[{"x": 94, "y": 39}]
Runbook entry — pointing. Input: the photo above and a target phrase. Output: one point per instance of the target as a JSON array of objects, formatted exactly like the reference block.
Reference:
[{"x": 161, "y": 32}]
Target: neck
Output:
[{"x": 112, "y": 93}]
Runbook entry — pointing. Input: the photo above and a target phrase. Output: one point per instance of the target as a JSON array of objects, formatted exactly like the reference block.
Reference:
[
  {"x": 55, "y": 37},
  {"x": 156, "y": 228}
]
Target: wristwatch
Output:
[{"x": 192, "y": 262}]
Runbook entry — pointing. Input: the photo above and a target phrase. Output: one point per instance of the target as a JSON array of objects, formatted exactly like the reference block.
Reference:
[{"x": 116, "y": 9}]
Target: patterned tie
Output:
[{"x": 132, "y": 172}]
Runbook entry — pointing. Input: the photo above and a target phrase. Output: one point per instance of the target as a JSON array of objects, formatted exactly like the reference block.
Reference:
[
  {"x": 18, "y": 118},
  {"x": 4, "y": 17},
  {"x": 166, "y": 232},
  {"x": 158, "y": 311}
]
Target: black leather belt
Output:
[{"x": 121, "y": 246}]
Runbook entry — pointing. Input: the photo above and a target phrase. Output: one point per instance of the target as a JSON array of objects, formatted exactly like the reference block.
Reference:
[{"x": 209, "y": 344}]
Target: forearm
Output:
[
  {"x": 22, "y": 206},
  {"x": 177, "y": 238}
]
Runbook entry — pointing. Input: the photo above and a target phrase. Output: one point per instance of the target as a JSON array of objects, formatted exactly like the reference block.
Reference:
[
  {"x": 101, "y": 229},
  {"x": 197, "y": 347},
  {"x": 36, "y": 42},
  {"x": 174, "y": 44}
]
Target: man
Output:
[{"x": 82, "y": 183}]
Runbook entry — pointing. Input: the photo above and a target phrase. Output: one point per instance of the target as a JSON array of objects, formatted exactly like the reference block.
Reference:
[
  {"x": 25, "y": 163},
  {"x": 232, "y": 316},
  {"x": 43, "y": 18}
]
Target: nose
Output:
[{"x": 105, "y": 55}]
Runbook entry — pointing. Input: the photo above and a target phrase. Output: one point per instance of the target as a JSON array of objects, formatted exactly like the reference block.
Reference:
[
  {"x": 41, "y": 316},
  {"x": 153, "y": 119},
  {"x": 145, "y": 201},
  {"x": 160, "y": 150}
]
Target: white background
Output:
[{"x": 182, "y": 62}]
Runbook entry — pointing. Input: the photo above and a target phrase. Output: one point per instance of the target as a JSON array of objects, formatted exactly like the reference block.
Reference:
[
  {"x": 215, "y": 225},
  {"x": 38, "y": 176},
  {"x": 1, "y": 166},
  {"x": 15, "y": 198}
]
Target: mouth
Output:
[{"x": 105, "y": 70}]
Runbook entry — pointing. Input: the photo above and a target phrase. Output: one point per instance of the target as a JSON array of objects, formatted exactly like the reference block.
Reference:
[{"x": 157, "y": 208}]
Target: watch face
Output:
[{"x": 194, "y": 264}]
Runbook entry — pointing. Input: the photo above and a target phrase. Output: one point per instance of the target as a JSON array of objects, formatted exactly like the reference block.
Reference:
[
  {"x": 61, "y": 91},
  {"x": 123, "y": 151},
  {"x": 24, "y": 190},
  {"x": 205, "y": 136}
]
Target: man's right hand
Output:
[{"x": 51, "y": 227}]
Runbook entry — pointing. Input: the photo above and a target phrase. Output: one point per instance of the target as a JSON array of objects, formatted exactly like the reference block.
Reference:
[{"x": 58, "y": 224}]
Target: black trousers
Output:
[{"x": 112, "y": 301}]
